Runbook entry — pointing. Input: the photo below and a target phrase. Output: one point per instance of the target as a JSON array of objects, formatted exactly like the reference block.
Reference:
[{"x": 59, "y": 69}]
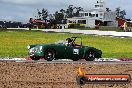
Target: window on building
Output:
[
  {"x": 79, "y": 21},
  {"x": 96, "y": 6},
  {"x": 74, "y": 21},
  {"x": 69, "y": 21},
  {"x": 86, "y": 14},
  {"x": 82, "y": 21},
  {"x": 96, "y": 15},
  {"x": 93, "y": 15},
  {"x": 90, "y": 14}
]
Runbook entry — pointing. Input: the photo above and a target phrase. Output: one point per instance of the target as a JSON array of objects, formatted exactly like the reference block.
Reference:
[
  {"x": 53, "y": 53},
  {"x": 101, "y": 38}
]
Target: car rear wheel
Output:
[
  {"x": 90, "y": 56},
  {"x": 35, "y": 58},
  {"x": 49, "y": 55}
]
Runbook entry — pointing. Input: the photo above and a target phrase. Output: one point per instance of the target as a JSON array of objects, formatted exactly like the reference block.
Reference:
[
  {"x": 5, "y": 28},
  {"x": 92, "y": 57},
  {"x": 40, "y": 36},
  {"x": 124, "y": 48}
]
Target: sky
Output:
[{"x": 22, "y": 10}]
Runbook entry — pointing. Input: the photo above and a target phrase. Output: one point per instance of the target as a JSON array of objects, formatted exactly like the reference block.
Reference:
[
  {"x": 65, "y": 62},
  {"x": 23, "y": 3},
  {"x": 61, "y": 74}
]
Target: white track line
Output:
[{"x": 67, "y": 61}]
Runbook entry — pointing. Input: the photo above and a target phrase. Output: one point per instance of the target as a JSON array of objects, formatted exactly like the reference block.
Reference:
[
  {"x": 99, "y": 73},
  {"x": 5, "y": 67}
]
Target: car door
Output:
[
  {"x": 61, "y": 51},
  {"x": 73, "y": 52},
  {"x": 77, "y": 52}
]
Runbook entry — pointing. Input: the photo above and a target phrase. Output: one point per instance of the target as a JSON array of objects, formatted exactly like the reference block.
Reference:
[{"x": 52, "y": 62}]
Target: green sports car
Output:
[{"x": 72, "y": 49}]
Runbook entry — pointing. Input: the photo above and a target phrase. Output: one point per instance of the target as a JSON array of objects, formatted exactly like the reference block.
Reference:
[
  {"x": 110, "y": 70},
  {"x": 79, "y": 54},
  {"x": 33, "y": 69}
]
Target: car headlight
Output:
[
  {"x": 33, "y": 50},
  {"x": 28, "y": 47},
  {"x": 41, "y": 47}
]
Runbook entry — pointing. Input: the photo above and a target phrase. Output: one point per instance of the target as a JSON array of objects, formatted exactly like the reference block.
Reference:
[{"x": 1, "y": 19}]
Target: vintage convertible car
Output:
[{"x": 61, "y": 50}]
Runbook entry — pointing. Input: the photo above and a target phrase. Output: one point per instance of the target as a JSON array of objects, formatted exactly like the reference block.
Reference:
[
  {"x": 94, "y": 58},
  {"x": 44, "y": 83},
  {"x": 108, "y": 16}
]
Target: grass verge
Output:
[{"x": 14, "y": 43}]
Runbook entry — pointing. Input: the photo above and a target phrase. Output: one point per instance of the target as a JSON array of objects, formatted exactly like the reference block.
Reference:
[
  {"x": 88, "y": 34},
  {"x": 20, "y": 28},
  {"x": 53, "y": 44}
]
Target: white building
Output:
[{"x": 99, "y": 14}]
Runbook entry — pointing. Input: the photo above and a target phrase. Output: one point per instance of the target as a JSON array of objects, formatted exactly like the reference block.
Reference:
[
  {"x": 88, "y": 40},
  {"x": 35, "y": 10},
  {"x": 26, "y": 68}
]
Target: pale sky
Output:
[{"x": 22, "y": 10}]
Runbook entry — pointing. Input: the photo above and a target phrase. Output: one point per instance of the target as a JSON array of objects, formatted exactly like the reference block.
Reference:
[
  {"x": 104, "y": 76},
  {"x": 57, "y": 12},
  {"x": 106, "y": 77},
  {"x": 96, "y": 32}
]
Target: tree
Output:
[
  {"x": 51, "y": 17},
  {"x": 120, "y": 13},
  {"x": 63, "y": 12},
  {"x": 73, "y": 11},
  {"x": 78, "y": 9},
  {"x": 69, "y": 11},
  {"x": 108, "y": 9},
  {"x": 59, "y": 17},
  {"x": 39, "y": 15},
  {"x": 44, "y": 14}
]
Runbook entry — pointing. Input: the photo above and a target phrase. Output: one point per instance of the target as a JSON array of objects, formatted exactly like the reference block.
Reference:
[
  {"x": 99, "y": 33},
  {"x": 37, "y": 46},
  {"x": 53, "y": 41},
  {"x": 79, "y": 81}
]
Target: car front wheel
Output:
[
  {"x": 49, "y": 55},
  {"x": 90, "y": 56}
]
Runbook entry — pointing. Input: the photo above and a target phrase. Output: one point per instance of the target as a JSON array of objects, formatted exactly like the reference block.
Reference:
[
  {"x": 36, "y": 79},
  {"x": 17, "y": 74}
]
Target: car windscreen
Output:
[{"x": 77, "y": 41}]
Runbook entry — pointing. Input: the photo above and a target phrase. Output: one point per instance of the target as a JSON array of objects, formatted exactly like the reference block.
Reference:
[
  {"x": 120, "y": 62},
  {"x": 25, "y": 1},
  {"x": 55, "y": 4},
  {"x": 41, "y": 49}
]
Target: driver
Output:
[{"x": 69, "y": 42}]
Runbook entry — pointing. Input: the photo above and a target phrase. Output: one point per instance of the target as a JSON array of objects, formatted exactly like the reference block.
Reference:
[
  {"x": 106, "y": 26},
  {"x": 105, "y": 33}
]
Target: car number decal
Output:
[{"x": 75, "y": 51}]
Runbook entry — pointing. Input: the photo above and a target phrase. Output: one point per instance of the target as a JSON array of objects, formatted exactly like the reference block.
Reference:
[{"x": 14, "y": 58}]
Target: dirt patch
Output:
[{"x": 42, "y": 75}]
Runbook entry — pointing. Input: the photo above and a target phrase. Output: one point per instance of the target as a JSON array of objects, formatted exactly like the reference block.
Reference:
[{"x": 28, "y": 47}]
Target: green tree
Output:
[
  {"x": 44, "y": 14},
  {"x": 120, "y": 13},
  {"x": 78, "y": 9},
  {"x": 69, "y": 11},
  {"x": 63, "y": 12},
  {"x": 39, "y": 14},
  {"x": 59, "y": 17}
]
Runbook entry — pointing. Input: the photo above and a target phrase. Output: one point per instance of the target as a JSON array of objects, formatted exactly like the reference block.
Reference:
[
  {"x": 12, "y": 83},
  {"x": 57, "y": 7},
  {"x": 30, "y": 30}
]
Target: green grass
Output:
[{"x": 14, "y": 43}]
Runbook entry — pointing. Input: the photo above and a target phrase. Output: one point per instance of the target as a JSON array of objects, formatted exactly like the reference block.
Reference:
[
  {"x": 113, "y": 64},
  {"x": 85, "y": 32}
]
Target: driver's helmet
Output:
[{"x": 68, "y": 41}]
